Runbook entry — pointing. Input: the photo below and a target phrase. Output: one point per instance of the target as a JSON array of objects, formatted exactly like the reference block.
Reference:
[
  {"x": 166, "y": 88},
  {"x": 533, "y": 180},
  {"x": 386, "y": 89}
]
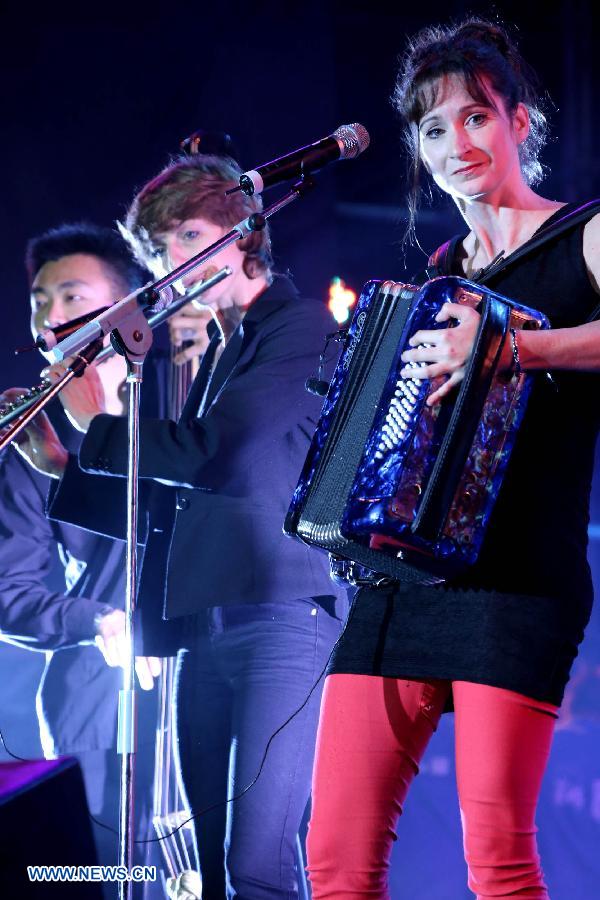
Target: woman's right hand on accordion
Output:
[{"x": 443, "y": 351}]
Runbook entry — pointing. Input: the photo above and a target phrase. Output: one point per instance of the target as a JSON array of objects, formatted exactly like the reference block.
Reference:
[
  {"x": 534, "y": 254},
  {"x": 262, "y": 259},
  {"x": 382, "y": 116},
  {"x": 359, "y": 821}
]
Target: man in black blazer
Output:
[{"x": 261, "y": 612}]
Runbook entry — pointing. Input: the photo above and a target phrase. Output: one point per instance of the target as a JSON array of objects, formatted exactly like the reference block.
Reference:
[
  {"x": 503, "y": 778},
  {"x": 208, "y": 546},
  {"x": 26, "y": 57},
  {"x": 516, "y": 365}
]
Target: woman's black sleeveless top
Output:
[{"x": 515, "y": 619}]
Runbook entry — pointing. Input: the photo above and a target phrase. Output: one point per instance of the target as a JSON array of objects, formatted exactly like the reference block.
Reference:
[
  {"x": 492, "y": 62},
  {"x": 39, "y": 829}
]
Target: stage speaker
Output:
[{"x": 44, "y": 821}]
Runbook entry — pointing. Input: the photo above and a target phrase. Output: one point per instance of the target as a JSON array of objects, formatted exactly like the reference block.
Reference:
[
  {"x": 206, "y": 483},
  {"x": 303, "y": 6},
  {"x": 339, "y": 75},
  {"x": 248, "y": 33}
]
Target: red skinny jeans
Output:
[{"x": 372, "y": 735}]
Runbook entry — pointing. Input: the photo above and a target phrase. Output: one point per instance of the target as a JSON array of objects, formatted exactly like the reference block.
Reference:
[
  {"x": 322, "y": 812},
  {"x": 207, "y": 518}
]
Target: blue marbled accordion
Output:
[{"x": 391, "y": 487}]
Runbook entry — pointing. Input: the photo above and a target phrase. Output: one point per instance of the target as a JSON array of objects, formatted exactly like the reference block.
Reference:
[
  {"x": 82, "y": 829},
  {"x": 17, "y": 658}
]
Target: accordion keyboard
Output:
[{"x": 401, "y": 412}]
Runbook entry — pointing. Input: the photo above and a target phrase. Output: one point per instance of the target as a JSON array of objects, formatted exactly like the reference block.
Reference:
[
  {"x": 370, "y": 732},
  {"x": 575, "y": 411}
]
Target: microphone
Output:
[
  {"x": 347, "y": 142},
  {"x": 316, "y": 386},
  {"x": 153, "y": 301}
]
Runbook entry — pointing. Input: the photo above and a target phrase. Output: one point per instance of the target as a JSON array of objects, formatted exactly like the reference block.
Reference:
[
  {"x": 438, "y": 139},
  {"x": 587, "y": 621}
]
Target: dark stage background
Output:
[{"x": 92, "y": 105}]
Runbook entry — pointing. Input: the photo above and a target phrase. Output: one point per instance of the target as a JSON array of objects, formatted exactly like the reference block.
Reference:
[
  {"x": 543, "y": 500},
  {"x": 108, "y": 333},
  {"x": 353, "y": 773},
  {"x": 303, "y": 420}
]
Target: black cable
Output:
[
  {"x": 208, "y": 809},
  {"x": 233, "y": 799},
  {"x": 10, "y": 753}
]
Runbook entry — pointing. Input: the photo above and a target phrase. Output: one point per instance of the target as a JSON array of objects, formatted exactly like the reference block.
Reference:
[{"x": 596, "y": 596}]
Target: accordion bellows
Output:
[{"x": 394, "y": 488}]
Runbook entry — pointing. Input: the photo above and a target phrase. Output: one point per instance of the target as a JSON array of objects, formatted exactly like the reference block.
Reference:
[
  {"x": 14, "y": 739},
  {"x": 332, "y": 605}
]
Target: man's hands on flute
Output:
[
  {"x": 82, "y": 398},
  {"x": 39, "y": 444},
  {"x": 187, "y": 331}
]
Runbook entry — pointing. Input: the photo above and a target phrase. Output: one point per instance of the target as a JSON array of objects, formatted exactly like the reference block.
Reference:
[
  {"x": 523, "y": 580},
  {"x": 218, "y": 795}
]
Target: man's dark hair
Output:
[{"x": 83, "y": 237}]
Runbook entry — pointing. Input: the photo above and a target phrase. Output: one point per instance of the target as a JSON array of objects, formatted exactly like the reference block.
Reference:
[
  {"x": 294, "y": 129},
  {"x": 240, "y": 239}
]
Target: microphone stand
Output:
[{"x": 135, "y": 339}]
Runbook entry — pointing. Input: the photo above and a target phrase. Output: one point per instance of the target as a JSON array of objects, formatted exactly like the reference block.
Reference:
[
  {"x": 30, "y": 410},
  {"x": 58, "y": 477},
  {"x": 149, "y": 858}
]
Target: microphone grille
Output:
[{"x": 354, "y": 139}]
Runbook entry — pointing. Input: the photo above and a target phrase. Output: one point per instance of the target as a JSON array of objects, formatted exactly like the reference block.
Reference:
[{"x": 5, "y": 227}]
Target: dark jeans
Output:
[{"x": 247, "y": 670}]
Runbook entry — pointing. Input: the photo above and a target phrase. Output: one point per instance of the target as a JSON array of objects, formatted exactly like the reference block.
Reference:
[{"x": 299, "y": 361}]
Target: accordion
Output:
[{"x": 391, "y": 487}]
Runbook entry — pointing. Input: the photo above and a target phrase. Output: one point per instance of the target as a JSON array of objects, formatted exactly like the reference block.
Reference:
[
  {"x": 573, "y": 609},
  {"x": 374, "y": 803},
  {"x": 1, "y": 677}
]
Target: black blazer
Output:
[{"x": 232, "y": 471}]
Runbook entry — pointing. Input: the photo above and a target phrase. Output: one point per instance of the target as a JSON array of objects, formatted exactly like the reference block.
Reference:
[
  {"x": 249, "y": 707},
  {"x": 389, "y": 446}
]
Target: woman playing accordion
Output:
[{"x": 496, "y": 644}]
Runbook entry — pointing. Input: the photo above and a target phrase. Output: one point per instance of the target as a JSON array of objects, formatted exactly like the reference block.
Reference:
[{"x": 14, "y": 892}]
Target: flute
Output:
[{"x": 9, "y": 412}]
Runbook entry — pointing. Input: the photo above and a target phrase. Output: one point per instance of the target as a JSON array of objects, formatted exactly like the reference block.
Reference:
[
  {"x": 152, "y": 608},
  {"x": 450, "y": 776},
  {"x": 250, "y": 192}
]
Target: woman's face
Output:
[{"x": 471, "y": 149}]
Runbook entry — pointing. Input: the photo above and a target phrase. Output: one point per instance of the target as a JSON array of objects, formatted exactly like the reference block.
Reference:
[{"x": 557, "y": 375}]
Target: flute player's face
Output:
[
  {"x": 470, "y": 148},
  {"x": 184, "y": 240},
  {"x": 69, "y": 287}
]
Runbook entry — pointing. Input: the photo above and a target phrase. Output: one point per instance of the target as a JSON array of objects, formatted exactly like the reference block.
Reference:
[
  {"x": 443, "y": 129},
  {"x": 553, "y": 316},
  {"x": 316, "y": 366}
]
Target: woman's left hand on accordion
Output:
[{"x": 444, "y": 351}]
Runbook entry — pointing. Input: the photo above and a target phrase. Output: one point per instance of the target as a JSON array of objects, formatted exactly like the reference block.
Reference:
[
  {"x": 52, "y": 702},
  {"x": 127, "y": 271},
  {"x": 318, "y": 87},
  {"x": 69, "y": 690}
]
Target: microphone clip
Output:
[{"x": 317, "y": 385}]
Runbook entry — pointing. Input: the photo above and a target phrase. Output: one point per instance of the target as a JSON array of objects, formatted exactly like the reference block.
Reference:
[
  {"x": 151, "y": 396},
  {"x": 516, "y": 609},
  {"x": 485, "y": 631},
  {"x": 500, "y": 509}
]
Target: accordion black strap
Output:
[
  {"x": 441, "y": 261},
  {"x": 458, "y": 439}
]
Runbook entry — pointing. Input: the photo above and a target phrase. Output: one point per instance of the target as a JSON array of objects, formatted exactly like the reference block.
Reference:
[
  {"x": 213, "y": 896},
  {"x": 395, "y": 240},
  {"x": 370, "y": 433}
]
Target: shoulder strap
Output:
[
  {"x": 440, "y": 262},
  {"x": 547, "y": 233}
]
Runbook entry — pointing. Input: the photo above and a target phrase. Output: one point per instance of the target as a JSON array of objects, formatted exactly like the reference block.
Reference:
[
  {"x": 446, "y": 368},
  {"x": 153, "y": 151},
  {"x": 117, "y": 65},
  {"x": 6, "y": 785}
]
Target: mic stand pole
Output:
[{"x": 133, "y": 340}]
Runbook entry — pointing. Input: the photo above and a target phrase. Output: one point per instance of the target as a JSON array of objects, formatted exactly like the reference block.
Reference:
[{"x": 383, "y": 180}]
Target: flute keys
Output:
[{"x": 23, "y": 401}]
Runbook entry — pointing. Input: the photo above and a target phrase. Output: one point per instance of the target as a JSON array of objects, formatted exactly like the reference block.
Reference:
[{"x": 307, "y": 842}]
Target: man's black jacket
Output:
[{"x": 233, "y": 470}]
